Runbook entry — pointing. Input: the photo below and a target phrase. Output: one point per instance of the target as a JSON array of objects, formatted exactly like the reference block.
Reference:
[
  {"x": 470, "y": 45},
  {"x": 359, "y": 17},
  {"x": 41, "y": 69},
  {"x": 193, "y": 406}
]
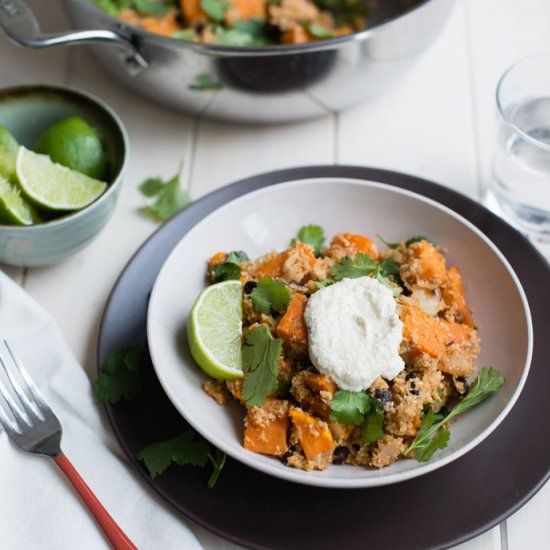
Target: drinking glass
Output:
[{"x": 520, "y": 182}]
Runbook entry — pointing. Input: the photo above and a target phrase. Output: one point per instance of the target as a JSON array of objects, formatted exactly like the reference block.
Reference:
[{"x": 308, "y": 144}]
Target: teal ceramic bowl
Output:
[{"x": 26, "y": 111}]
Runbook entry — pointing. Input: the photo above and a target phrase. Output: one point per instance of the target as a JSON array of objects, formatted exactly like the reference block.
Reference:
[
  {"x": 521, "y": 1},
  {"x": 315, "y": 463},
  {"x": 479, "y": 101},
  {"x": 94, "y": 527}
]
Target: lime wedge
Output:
[
  {"x": 14, "y": 209},
  {"x": 54, "y": 186},
  {"x": 8, "y": 153},
  {"x": 214, "y": 330}
]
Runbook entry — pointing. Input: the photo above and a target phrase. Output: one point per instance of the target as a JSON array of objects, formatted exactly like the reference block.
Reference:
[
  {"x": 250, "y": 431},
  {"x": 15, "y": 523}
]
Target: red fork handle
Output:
[{"x": 113, "y": 532}]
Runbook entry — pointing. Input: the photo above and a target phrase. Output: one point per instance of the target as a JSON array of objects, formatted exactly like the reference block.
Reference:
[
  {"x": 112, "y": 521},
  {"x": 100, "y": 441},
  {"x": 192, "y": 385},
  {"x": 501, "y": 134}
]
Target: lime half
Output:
[
  {"x": 214, "y": 330},
  {"x": 54, "y": 186},
  {"x": 14, "y": 209}
]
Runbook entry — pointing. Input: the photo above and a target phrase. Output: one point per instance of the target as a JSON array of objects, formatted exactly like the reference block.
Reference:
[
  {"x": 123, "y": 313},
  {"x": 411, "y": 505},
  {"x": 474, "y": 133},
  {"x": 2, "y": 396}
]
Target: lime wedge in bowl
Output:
[
  {"x": 8, "y": 153},
  {"x": 14, "y": 209},
  {"x": 214, "y": 330},
  {"x": 53, "y": 186}
]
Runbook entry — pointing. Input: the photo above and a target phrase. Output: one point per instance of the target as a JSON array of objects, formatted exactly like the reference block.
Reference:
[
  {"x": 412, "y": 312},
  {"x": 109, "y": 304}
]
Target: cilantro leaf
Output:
[
  {"x": 182, "y": 449},
  {"x": 350, "y": 268},
  {"x": 256, "y": 29},
  {"x": 390, "y": 245},
  {"x": 487, "y": 382},
  {"x": 415, "y": 239},
  {"x": 152, "y": 7},
  {"x": 325, "y": 283},
  {"x": 230, "y": 268},
  {"x": 395, "y": 291},
  {"x": 431, "y": 436},
  {"x": 388, "y": 266},
  {"x": 316, "y": 30},
  {"x": 260, "y": 355},
  {"x": 270, "y": 295},
  {"x": 371, "y": 430},
  {"x": 350, "y": 407},
  {"x": 204, "y": 82},
  {"x": 312, "y": 235},
  {"x": 121, "y": 375},
  {"x": 436, "y": 441},
  {"x": 215, "y": 9},
  {"x": 170, "y": 198},
  {"x": 218, "y": 462},
  {"x": 184, "y": 34}
]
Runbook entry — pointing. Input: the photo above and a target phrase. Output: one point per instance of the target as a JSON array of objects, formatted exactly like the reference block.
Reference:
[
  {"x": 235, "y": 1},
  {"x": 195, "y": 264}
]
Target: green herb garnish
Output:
[
  {"x": 170, "y": 197},
  {"x": 121, "y": 375},
  {"x": 415, "y": 239},
  {"x": 187, "y": 448},
  {"x": 270, "y": 296},
  {"x": 184, "y": 34},
  {"x": 359, "y": 409},
  {"x": 316, "y": 30},
  {"x": 215, "y": 9},
  {"x": 312, "y": 235},
  {"x": 152, "y": 7},
  {"x": 363, "y": 265},
  {"x": 260, "y": 355},
  {"x": 230, "y": 268},
  {"x": 432, "y": 435},
  {"x": 204, "y": 82}
]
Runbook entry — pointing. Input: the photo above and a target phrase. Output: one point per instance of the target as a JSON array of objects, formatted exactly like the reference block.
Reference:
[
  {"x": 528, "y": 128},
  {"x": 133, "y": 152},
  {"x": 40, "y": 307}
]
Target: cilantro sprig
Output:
[
  {"x": 364, "y": 266},
  {"x": 432, "y": 434},
  {"x": 359, "y": 409},
  {"x": 121, "y": 376},
  {"x": 310, "y": 234},
  {"x": 215, "y": 9},
  {"x": 270, "y": 296},
  {"x": 205, "y": 82},
  {"x": 230, "y": 268},
  {"x": 187, "y": 448},
  {"x": 260, "y": 355},
  {"x": 170, "y": 197},
  {"x": 408, "y": 242}
]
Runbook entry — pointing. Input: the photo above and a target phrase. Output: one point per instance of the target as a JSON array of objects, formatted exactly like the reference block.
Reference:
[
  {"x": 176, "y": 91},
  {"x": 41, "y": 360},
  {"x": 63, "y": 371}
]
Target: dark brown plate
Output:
[{"x": 437, "y": 510}]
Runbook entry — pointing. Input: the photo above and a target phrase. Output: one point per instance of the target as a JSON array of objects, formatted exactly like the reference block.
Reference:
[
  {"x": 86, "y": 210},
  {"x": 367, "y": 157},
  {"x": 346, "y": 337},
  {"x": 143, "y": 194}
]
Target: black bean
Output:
[
  {"x": 415, "y": 392},
  {"x": 384, "y": 396},
  {"x": 340, "y": 454},
  {"x": 285, "y": 458},
  {"x": 249, "y": 286},
  {"x": 410, "y": 376}
]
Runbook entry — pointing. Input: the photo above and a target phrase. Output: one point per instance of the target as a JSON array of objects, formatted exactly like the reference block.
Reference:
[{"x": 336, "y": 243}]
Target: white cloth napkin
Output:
[{"x": 38, "y": 506}]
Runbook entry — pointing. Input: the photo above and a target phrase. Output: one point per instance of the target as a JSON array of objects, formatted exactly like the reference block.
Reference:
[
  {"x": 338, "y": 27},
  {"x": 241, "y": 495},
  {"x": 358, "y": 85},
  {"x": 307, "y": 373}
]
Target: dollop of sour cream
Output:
[{"x": 354, "y": 332}]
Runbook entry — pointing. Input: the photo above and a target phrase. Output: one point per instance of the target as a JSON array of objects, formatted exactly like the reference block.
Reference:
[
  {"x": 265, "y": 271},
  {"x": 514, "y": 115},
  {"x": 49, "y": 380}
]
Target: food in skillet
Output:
[
  {"x": 242, "y": 22},
  {"x": 340, "y": 354}
]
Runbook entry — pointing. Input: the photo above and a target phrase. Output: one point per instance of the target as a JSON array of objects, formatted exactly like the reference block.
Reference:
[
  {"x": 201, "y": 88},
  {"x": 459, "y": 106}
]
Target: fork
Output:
[{"x": 39, "y": 432}]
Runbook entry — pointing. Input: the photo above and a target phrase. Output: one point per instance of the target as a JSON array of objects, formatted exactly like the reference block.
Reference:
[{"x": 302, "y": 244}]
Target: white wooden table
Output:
[{"x": 437, "y": 123}]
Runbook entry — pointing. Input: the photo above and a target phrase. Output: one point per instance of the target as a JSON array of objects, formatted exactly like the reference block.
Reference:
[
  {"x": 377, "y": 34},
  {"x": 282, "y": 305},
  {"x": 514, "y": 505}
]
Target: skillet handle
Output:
[{"x": 20, "y": 25}]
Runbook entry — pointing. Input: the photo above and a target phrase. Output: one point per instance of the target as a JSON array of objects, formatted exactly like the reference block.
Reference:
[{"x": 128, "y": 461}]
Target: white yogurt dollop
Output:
[{"x": 354, "y": 332}]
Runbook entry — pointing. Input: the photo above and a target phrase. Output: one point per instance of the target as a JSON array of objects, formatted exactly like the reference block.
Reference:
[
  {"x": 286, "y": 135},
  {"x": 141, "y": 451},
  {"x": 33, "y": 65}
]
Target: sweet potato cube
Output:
[
  {"x": 362, "y": 244},
  {"x": 293, "y": 264},
  {"x": 165, "y": 25},
  {"x": 292, "y": 326},
  {"x": 272, "y": 267},
  {"x": 423, "y": 332},
  {"x": 319, "y": 382},
  {"x": 266, "y": 428},
  {"x": 314, "y": 435},
  {"x": 457, "y": 333},
  {"x": 427, "y": 265},
  {"x": 192, "y": 11},
  {"x": 216, "y": 259},
  {"x": 453, "y": 296},
  {"x": 240, "y": 10}
]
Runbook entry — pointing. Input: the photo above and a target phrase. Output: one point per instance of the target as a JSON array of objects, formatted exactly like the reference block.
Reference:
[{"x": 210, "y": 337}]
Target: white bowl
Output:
[{"x": 269, "y": 218}]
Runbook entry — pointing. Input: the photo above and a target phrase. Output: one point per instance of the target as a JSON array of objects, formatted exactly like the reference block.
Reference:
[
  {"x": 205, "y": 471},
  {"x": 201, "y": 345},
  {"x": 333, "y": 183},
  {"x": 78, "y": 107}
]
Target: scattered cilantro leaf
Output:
[
  {"x": 350, "y": 407},
  {"x": 256, "y": 29},
  {"x": 344, "y": 11},
  {"x": 390, "y": 245},
  {"x": 152, "y": 7},
  {"x": 121, "y": 375},
  {"x": 430, "y": 436},
  {"x": 371, "y": 430},
  {"x": 230, "y": 268},
  {"x": 184, "y": 34},
  {"x": 215, "y": 9},
  {"x": 204, "y": 82},
  {"x": 260, "y": 355},
  {"x": 218, "y": 462},
  {"x": 325, "y": 283},
  {"x": 182, "y": 449},
  {"x": 363, "y": 265},
  {"x": 312, "y": 235},
  {"x": 170, "y": 197},
  {"x": 316, "y": 30},
  {"x": 388, "y": 267},
  {"x": 270, "y": 296},
  {"x": 109, "y": 6},
  {"x": 394, "y": 290},
  {"x": 415, "y": 239}
]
